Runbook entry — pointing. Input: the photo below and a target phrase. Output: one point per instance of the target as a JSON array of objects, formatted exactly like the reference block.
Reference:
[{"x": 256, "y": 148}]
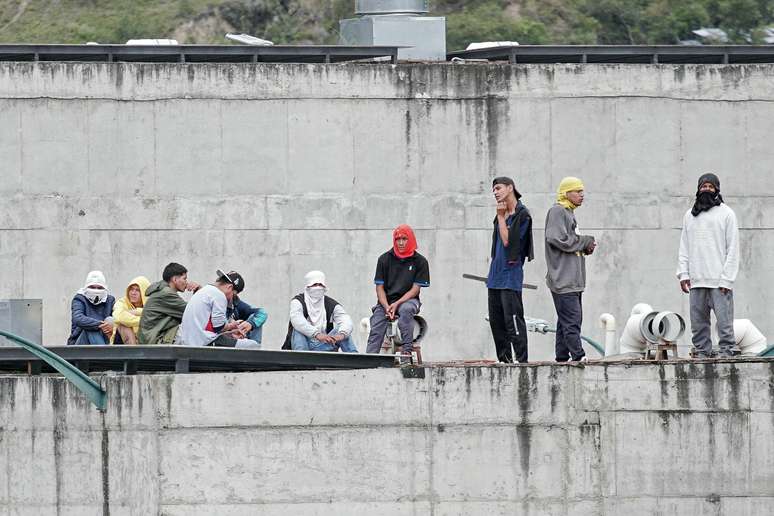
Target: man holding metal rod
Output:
[{"x": 511, "y": 247}]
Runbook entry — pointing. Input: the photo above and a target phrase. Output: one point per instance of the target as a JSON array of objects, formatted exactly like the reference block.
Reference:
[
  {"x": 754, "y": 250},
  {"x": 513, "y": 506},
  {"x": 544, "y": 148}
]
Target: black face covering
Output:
[{"x": 706, "y": 201}]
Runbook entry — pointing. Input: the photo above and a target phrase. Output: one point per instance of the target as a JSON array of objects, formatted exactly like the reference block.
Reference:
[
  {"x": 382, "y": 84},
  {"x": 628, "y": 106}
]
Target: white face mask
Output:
[
  {"x": 315, "y": 293},
  {"x": 95, "y": 295}
]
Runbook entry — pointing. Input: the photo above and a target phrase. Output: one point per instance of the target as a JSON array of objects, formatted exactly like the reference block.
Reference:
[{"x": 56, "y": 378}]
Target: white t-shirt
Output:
[{"x": 205, "y": 311}]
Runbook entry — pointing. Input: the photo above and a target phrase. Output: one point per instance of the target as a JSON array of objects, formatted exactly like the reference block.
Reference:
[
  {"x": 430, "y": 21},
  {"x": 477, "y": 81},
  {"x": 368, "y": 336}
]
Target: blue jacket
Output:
[
  {"x": 244, "y": 312},
  {"x": 87, "y": 316}
]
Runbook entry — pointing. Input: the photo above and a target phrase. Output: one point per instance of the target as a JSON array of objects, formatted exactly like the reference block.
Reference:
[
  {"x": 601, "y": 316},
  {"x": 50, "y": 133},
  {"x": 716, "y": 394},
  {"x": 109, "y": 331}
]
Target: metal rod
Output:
[{"x": 86, "y": 385}]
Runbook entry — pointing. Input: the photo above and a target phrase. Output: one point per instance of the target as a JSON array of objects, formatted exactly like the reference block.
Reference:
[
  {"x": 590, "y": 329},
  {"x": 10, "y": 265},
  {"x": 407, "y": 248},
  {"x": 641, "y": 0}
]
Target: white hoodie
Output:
[{"x": 709, "y": 248}]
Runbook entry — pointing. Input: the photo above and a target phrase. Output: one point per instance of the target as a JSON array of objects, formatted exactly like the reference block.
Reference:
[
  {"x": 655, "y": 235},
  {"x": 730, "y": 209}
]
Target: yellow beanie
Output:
[{"x": 568, "y": 184}]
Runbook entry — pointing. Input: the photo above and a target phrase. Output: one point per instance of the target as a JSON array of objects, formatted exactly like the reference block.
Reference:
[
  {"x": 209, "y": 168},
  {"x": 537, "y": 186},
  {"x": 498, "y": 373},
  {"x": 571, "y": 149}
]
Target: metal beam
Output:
[
  {"x": 196, "y": 53},
  {"x": 663, "y": 54},
  {"x": 195, "y": 359}
]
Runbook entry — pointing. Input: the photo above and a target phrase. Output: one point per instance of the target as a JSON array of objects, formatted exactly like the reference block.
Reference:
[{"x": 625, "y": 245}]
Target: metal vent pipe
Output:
[{"x": 377, "y": 7}]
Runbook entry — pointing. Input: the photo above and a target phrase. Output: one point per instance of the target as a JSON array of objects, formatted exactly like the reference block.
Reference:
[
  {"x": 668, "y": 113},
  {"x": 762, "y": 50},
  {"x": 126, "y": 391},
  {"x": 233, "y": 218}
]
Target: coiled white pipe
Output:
[{"x": 631, "y": 340}]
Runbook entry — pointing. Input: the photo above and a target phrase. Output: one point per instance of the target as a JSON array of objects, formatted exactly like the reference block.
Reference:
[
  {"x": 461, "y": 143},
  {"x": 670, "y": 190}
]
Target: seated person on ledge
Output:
[
  {"x": 400, "y": 273},
  {"x": 318, "y": 322},
  {"x": 163, "y": 307},
  {"x": 255, "y": 317},
  {"x": 205, "y": 322},
  {"x": 92, "y": 309},
  {"x": 128, "y": 310}
]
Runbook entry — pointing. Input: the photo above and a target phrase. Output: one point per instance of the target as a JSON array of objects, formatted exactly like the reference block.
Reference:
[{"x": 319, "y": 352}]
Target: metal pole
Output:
[{"x": 86, "y": 385}]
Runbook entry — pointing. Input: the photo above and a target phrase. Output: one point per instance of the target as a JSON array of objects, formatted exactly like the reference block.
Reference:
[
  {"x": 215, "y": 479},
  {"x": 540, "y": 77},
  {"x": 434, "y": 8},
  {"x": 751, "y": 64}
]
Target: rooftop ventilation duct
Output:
[
  {"x": 364, "y": 7},
  {"x": 397, "y": 23}
]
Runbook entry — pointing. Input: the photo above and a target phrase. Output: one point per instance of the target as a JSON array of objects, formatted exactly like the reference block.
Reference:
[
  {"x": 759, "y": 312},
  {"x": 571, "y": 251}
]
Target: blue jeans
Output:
[
  {"x": 91, "y": 338},
  {"x": 256, "y": 334},
  {"x": 300, "y": 342}
]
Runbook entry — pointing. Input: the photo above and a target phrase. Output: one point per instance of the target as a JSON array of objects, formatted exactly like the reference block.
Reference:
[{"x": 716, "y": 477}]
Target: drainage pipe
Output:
[{"x": 608, "y": 323}]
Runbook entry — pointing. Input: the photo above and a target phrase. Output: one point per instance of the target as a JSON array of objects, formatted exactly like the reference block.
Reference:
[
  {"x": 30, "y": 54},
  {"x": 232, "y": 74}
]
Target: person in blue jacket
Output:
[
  {"x": 239, "y": 310},
  {"x": 92, "y": 312}
]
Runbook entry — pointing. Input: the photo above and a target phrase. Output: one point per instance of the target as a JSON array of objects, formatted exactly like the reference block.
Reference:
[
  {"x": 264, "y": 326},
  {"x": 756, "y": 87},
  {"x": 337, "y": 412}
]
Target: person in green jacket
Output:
[{"x": 163, "y": 310}]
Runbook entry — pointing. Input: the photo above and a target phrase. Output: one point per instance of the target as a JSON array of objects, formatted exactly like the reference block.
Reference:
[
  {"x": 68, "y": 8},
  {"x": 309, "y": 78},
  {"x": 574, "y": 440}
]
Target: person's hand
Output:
[
  {"x": 502, "y": 209},
  {"x": 685, "y": 285},
  {"x": 136, "y": 311},
  {"x": 391, "y": 311},
  {"x": 193, "y": 286},
  {"x": 324, "y": 338},
  {"x": 338, "y": 338},
  {"x": 245, "y": 327},
  {"x": 233, "y": 325},
  {"x": 106, "y": 328},
  {"x": 724, "y": 290},
  {"x": 591, "y": 247}
]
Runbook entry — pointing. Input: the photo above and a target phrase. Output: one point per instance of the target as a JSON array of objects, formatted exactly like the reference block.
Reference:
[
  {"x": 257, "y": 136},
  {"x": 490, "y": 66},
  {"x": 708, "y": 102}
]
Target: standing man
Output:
[
  {"x": 511, "y": 246},
  {"x": 707, "y": 266},
  {"x": 566, "y": 252},
  {"x": 400, "y": 273},
  {"x": 163, "y": 308}
]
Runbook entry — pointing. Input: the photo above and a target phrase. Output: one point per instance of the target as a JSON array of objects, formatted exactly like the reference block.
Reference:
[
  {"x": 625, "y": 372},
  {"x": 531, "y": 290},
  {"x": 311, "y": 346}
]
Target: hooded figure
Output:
[
  {"x": 565, "y": 252},
  {"x": 128, "y": 311},
  {"x": 707, "y": 199},
  {"x": 404, "y": 231},
  {"x": 91, "y": 312},
  {"x": 568, "y": 184},
  {"x": 400, "y": 273},
  {"x": 707, "y": 265},
  {"x": 318, "y": 322}
]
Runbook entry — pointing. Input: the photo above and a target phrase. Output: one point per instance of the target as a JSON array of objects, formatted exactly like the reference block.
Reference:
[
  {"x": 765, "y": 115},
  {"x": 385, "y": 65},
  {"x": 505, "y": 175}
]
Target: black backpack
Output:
[{"x": 330, "y": 304}]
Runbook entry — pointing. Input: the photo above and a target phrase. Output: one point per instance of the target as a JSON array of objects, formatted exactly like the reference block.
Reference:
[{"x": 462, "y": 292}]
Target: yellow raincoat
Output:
[{"x": 122, "y": 311}]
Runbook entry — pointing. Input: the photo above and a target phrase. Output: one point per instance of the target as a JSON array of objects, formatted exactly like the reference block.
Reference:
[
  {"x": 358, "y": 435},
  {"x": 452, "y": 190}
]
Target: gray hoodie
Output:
[{"x": 565, "y": 251}]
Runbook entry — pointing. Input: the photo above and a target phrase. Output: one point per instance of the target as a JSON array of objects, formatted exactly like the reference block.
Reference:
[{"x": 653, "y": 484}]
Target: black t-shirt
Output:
[{"x": 399, "y": 275}]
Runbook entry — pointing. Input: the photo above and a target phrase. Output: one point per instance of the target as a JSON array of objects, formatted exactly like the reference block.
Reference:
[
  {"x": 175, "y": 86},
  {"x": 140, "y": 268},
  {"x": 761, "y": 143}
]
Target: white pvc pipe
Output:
[
  {"x": 749, "y": 338},
  {"x": 631, "y": 340},
  {"x": 608, "y": 323},
  {"x": 669, "y": 326}
]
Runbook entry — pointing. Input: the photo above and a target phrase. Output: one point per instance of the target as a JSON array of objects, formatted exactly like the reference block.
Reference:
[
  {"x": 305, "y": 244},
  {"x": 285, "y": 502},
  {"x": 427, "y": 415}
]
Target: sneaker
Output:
[
  {"x": 405, "y": 359},
  {"x": 584, "y": 358},
  {"x": 702, "y": 356}
]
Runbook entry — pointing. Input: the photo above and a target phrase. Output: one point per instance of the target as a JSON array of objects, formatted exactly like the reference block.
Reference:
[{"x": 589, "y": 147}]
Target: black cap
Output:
[
  {"x": 709, "y": 178},
  {"x": 506, "y": 181},
  {"x": 233, "y": 278}
]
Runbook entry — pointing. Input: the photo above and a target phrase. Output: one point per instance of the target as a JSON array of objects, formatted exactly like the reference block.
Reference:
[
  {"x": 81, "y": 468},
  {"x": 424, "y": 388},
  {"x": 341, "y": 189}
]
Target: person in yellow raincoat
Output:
[{"x": 127, "y": 311}]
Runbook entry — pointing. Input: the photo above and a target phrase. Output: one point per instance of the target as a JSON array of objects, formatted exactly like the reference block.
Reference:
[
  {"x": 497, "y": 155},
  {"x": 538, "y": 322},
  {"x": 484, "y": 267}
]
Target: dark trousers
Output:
[
  {"x": 569, "y": 316},
  {"x": 506, "y": 318}
]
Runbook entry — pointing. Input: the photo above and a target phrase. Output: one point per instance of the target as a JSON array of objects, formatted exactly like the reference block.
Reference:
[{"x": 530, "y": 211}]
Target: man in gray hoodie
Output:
[{"x": 566, "y": 277}]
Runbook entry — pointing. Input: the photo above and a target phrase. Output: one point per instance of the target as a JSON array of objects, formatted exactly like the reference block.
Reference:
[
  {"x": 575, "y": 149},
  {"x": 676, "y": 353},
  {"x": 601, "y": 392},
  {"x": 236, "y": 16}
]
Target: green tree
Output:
[{"x": 488, "y": 22}]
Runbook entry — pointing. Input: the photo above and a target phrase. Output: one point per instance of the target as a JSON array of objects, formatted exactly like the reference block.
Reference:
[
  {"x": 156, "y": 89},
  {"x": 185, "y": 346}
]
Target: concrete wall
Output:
[
  {"x": 635, "y": 439},
  {"x": 273, "y": 170}
]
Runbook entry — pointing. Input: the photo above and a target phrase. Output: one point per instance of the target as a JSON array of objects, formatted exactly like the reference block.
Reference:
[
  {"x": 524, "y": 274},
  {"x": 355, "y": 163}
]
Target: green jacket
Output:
[{"x": 161, "y": 315}]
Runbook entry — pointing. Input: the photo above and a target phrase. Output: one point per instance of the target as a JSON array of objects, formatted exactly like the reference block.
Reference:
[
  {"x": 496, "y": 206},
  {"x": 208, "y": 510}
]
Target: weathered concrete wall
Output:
[
  {"x": 671, "y": 439},
  {"x": 276, "y": 169}
]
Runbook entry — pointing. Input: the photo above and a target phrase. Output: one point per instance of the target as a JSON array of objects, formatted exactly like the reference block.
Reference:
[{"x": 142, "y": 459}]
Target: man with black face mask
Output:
[{"x": 707, "y": 266}]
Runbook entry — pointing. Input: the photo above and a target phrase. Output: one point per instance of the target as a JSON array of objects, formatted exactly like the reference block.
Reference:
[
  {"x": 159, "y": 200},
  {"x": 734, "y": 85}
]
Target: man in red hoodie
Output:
[{"x": 400, "y": 273}]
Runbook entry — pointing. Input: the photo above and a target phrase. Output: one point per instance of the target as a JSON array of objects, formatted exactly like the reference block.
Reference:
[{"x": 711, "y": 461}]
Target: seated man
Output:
[
  {"x": 318, "y": 322},
  {"x": 400, "y": 272},
  {"x": 163, "y": 307},
  {"x": 128, "y": 310},
  {"x": 92, "y": 308},
  {"x": 205, "y": 322},
  {"x": 239, "y": 310}
]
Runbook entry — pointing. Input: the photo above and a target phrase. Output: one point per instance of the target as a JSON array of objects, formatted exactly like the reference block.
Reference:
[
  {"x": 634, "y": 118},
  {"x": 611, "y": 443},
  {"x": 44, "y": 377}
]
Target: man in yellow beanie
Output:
[{"x": 566, "y": 252}]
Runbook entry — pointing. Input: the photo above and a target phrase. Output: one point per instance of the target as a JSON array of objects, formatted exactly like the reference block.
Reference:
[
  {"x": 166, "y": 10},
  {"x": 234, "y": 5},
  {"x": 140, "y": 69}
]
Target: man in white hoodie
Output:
[
  {"x": 318, "y": 322},
  {"x": 707, "y": 266}
]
